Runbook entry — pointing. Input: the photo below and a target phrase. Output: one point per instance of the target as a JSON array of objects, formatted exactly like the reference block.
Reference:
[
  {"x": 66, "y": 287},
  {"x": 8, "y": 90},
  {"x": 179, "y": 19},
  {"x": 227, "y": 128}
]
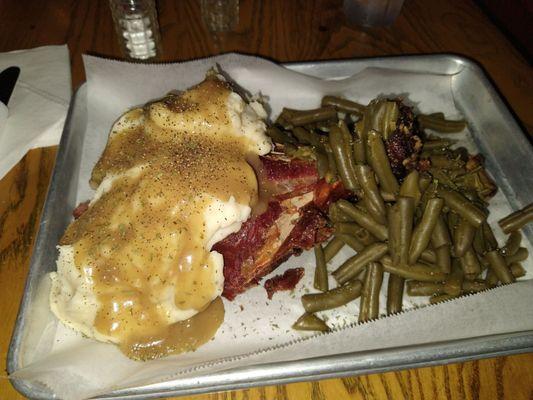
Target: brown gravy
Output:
[{"x": 143, "y": 241}]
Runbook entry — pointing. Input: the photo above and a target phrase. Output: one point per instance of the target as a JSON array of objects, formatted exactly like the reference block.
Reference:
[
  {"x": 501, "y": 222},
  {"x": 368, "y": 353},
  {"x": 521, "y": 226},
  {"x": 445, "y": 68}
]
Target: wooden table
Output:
[{"x": 284, "y": 31}]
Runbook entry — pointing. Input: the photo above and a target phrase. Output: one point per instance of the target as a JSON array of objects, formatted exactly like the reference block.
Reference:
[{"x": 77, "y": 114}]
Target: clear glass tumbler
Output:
[
  {"x": 370, "y": 13},
  {"x": 137, "y": 28},
  {"x": 220, "y": 15}
]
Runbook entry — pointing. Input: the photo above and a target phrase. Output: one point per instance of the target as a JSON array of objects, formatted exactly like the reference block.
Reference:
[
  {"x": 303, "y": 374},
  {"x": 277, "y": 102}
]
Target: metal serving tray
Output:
[{"x": 485, "y": 111}]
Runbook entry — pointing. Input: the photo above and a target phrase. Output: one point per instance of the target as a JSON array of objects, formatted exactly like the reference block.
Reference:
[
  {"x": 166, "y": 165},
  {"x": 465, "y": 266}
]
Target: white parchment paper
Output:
[{"x": 256, "y": 330}]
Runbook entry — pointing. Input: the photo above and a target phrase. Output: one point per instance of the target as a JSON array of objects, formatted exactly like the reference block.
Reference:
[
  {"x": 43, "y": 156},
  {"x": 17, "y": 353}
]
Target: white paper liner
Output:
[{"x": 256, "y": 330}]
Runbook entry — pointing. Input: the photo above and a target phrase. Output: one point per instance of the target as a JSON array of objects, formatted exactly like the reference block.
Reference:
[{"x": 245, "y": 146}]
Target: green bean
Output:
[
  {"x": 346, "y": 135},
  {"x": 393, "y": 216},
  {"x": 395, "y": 294},
  {"x": 334, "y": 298},
  {"x": 440, "y": 124},
  {"x": 284, "y": 116},
  {"x": 406, "y": 207},
  {"x": 500, "y": 268},
  {"x": 454, "y": 280},
  {"x": 279, "y": 136},
  {"x": 337, "y": 215},
  {"x": 427, "y": 195},
  {"x": 371, "y": 195},
  {"x": 474, "y": 286},
  {"x": 332, "y": 167},
  {"x": 369, "y": 308},
  {"x": 342, "y": 160},
  {"x": 322, "y": 163},
  {"x": 363, "y": 219},
  {"x": 310, "y": 322},
  {"x": 443, "y": 258},
  {"x": 442, "y": 161},
  {"x": 488, "y": 237},
  {"x": 517, "y": 220},
  {"x": 463, "y": 207},
  {"x": 332, "y": 248},
  {"x": 440, "y": 235},
  {"x": 382, "y": 116},
  {"x": 437, "y": 144},
  {"x": 443, "y": 177},
  {"x": 478, "y": 243},
  {"x": 422, "y": 232},
  {"x": 311, "y": 116},
  {"x": 470, "y": 264},
  {"x": 442, "y": 297},
  {"x": 290, "y": 149},
  {"x": 436, "y": 115},
  {"x": 418, "y": 271},
  {"x": 321, "y": 273},
  {"x": 452, "y": 221},
  {"x": 386, "y": 196},
  {"x": 417, "y": 288},
  {"x": 343, "y": 105},
  {"x": 347, "y": 140},
  {"x": 464, "y": 235},
  {"x": 517, "y": 270},
  {"x": 378, "y": 160},
  {"x": 410, "y": 188},
  {"x": 353, "y": 229},
  {"x": 359, "y": 150},
  {"x": 520, "y": 255},
  {"x": 351, "y": 241},
  {"x": 491, "y": 279},
  {"x": 429, "y": 255},
  {"x": 305, "y": 136},
  {"x": 424, "y": 181},
  {"x": 513, "y": 243},
  {"x": 359, "y": 145},
  {"x": 351, "y": 267}
]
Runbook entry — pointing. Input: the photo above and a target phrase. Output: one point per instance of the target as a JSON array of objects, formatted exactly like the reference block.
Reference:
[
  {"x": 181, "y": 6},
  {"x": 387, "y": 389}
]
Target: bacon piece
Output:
[
  {"x": 404, "y": 145},
  {"x": 287, "y": 281},
  {"x": 241, "y": 250},
  {"x": 294, "y": 171},
  {"x": 301, "y": 201},
  {"x": 284, "y": 177},
  {"x": 80, "y": 209}
]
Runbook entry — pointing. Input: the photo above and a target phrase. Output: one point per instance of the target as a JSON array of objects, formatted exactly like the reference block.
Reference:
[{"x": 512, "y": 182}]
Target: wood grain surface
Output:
[{"x": 281, "y": 30}]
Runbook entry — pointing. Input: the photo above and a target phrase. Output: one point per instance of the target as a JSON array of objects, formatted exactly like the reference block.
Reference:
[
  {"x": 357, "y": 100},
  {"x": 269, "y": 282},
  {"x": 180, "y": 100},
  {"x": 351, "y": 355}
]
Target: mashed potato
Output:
[{"x": 172, "y": 181}]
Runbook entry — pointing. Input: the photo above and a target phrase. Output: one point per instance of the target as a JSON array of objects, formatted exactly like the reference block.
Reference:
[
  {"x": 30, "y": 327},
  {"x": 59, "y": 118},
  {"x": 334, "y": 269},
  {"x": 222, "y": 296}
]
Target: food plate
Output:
[{"x": 495, "y": 133}]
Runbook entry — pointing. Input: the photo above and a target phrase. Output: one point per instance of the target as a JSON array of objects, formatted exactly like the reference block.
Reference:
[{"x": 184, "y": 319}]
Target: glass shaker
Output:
[
  {"x": 220, "y": 15},
  {"x": 137, "y": 28}
]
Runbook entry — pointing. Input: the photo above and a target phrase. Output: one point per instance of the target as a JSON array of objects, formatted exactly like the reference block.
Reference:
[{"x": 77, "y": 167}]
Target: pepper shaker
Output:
[{"x": 137, "y": 28}]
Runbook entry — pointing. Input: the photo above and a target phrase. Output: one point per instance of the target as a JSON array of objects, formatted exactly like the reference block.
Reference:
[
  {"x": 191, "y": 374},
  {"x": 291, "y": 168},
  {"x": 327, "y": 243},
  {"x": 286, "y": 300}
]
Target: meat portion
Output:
[
  {"x": 404, "y": 145},
  {"x": 294, "y": 220},
  {"x": 287, "y": 281}
]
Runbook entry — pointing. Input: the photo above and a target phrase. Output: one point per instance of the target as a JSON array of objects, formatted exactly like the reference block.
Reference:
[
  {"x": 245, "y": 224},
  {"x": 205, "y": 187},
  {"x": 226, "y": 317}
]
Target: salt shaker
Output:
[{"x": 137, "y": 28}]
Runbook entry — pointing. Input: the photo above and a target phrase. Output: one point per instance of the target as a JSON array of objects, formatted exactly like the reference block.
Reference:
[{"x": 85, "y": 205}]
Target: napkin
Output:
[{"x": 39, "y": 103}]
